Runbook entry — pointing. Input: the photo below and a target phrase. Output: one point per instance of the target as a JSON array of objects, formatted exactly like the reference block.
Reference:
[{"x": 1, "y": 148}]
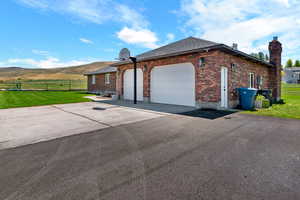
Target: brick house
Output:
[
  {"x": 102, "y": 81},
  {"x": 200, "y": 73},
  {"x": 291, "y": 75}
]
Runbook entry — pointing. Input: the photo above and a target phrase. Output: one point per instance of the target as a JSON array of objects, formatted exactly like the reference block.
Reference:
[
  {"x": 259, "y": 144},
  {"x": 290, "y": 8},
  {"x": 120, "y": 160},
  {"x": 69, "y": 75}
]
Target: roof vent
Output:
[{"x": 235, "y": 46}]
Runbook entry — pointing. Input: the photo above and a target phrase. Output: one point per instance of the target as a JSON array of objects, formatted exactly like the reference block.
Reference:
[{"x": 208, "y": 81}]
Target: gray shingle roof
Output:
[
  {"x": 104, "y": 70},
  {"x": 187, "y": 44}
]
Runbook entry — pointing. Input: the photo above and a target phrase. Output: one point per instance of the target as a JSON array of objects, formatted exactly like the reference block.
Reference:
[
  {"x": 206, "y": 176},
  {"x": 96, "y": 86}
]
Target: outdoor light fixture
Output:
[
  {"x": 145, "y": 68},
  {"x": 233, "y": 67},
  {"x": 201, "y": 62}
]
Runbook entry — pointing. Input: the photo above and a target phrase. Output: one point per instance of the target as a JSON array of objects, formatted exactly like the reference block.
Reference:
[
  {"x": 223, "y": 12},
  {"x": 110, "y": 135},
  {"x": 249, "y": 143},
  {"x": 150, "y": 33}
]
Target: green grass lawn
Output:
[
  {"x": 291, "y": 96},
  {"x": 14, "y": 99}
]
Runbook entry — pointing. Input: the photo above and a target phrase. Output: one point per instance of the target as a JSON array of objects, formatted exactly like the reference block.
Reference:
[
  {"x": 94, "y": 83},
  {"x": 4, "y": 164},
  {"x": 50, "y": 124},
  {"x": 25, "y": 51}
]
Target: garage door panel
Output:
[
  {"x": 129, "y": 84},
  {"x": 173, "y": 84}
]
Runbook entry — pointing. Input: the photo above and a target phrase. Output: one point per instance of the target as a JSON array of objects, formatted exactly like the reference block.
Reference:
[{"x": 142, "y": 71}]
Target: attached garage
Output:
[
  {"x": 129, "y": 84},
  {"x": 173, "y": 84},
  {"x": 199, "y": 73}
]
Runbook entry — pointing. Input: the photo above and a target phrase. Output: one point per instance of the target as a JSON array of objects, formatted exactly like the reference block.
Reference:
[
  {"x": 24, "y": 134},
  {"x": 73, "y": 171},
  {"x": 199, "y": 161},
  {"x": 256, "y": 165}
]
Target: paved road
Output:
[{"x": 170, "y": 157}]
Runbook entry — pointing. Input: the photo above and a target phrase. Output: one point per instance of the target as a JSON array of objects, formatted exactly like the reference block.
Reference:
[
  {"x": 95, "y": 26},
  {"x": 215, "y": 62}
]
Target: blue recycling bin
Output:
[{"x": 247, "y": 97}]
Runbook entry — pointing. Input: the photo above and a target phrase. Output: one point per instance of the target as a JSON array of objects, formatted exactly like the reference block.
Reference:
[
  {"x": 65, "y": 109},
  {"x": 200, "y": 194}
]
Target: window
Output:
[
  {"x": 251, "y": 80},
  {"x": 107, "y": 78},
  {"x": 259, "y": 82},
  {"x": 93, "y": 79}
]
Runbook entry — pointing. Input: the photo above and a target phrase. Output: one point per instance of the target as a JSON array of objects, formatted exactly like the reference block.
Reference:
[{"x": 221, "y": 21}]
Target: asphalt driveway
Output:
[{"x": 165, "y": 157}]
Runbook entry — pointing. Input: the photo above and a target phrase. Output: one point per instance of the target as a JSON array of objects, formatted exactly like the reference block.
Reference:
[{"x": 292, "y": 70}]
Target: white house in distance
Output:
[{"x": 291, "y": 75}]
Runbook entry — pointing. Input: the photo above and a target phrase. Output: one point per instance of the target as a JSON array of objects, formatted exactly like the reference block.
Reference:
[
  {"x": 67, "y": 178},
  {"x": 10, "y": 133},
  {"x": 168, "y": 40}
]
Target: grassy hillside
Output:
[{"x": 66, "y": 73}]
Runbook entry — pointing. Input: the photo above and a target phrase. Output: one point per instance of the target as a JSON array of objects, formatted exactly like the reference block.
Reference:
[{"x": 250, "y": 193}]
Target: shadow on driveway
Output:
[
  {"x": 172, "y": 109},
  {"x": 152, "y": 107},
  {"x": 209, "y": 114}
]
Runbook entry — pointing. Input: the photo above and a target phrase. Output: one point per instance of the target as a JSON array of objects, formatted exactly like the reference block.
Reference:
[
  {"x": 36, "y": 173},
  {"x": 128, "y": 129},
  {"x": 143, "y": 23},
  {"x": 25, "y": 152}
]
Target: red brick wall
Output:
[
  {"x": 191, "y": 58},
  {"x": 208, "y": 86},
  {"x": 240, "y": 77},
  {"x": 100, "y": 85}
]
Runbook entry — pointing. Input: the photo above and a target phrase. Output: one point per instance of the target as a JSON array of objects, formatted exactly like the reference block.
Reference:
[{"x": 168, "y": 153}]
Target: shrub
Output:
[
  {"x": 262, "y": 102},
  {"x": 265, "y": 103},
  {"x": 260, "y": 98},
  {"x": 281, "y": 101}
]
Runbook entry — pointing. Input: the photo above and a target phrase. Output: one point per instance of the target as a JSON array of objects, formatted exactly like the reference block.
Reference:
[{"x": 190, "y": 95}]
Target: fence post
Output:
[
  {"x": 18, "y": 85},
  {"x": 70, "y": 85}
]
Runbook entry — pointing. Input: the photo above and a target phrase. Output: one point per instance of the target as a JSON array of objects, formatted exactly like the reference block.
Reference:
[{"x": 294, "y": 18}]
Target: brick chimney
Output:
[{"x": 275, "y": 50}]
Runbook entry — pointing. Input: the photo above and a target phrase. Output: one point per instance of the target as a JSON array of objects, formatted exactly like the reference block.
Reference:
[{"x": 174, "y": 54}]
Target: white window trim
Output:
[
  {"x": 107, "y": 78},
  {"x": 261, "y": 80},
  {"x": 93, "y": 79},
  {"x": 251, "y": 80}
]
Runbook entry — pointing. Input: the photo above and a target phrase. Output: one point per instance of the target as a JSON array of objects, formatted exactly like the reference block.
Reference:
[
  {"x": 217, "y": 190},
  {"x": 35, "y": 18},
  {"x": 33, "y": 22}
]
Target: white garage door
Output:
[
  {"x": 128, "y": 84},
  {"x": 173, "y": 84}
]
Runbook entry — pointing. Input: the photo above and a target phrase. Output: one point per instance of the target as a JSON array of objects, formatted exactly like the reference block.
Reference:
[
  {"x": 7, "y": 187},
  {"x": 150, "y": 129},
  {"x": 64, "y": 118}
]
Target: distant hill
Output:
[{"x": 65, "y": 73}]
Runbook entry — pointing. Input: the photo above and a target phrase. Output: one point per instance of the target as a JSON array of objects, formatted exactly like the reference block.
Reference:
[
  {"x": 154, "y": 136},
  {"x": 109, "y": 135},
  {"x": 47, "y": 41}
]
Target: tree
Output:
[
  {"x": 289, "y": 63},
  {"x": 261, "y": 56},
  {"x": 254, "y": 55},
  {"x": 267, "y": 58},
  {"x": 297, "y": 63}
]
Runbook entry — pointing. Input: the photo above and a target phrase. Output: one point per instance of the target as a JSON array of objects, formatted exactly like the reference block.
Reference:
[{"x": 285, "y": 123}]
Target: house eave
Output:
[
  {"x": 234, "y": 52},
  {"x": 221, "y": 47},
  {"x": 89, "y": 74},
  {"x": 168, "y": 55}
]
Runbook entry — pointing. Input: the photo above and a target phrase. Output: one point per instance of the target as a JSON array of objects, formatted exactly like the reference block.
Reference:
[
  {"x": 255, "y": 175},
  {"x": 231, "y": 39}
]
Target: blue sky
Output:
[{"x": 57, "y": 33}]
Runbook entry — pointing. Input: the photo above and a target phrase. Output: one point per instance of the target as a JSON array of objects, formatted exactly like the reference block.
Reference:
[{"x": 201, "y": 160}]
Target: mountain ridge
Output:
[{"x": 62, "y": 73}]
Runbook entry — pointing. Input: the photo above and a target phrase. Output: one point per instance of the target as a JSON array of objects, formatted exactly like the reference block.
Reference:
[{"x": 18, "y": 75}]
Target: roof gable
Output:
[
  {"x": 108, "y": 69},
  {"x": 187, "y": 44}
]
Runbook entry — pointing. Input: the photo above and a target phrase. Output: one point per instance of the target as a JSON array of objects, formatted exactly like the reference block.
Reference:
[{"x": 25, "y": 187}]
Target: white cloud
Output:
[
  {"x": 35, "y": 3},
  {"x": 87, "y": 41},
  {"x": 131, "y": 17},
  {"x": 138, "y": 32},
  {"x": 246, "y": 32},
  {"x": 50, "y": 62},
  {"x": 143, "y": 37},
  {"x": 40, "y": 52},
  {"x": 95, "y": 11},
  {"x": 170, "y": 36},
  {"x": 251, "y": 24},
  {"x": 284, "y": 2},
  {"x": 100, "y": 11}
]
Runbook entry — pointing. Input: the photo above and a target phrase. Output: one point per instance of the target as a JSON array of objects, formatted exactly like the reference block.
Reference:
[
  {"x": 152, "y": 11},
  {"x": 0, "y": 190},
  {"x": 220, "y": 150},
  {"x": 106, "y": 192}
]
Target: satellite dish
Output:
[{"x": 124, "y": 54}]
